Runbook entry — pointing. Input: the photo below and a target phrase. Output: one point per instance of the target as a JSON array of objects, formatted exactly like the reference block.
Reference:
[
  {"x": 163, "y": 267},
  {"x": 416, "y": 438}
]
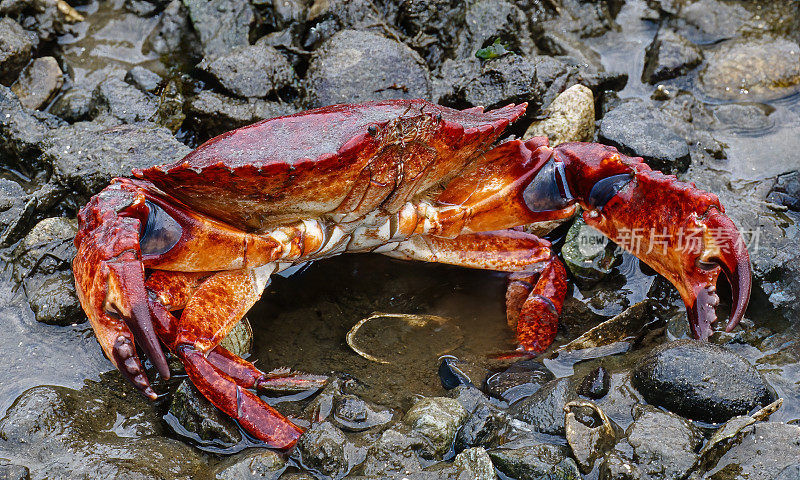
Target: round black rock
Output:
[{"x": 701, "y": 381}]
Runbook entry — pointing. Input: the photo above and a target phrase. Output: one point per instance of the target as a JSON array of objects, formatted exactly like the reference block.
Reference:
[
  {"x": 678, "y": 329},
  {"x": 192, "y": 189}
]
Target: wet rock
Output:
[
  {"x": 636, "y": 128},
  {"x": 700, "y": 380},
  {"x": 769, "y": 452},
  {"x": 221, "y": 25},
  {"x": 74, "y": 105},
  {"x": 106, "y": 430},
  {"x": 590, "y": 433},
  {"x": 535, "y": 462},
  {"x": 45, "y": 17},
  {"x": 544, "y": 410},
  {"x": 239, "y": 340},
  {"x": 254, "y": 463},
  {"x": 391, "y": 455},
  {"x": 519, "y": 380},
  {"x": 123, "y": 102},
  {"x": 786, "y": 191},
  {"x": 39, "y": 81},
  {"x": 664, "y": 444},
  {"x": 143, "y": 79},
  {"x": 16, "y": 211},
  {"x": 250, "y": 71},
  {"x": 756, "y": 69},
  {"x": 85, "y": 156},
  {"x": 279, "y": 14},
  {"x": 714, "y": 20},
  {"x": 14, "y": 472},
  {"x": 354, "y": 414},
  {"x": 616, "y": 466},
  {"x": 747, "y": 117},
  {"x": 588, "y": 254},
  {"x": 487, "y": 21},
  {"x": 428, "y": 25},
  {"x": 145, "y": 8},
  {"x": 325, "y": 450},
  {"x": 213, "y": 113},
  {"x": 195, "y": 417},
  {"x": 450, "y": 374},
  {"x": 469, "y": 397},
  {"x": 355, "y": 66},
  {"x": 436, "y": 420},
  {"x": 487, "y": 427},
  {"x": 570, "y": 118},
  {"x": 15, "y": 50},
  {"x": 22, "y": 131},
  {"x": 474, "y": 463},
  {"x": 595, "y": 384},
  {"x": 173, "y": 33},
  {"x": 331, "y": 16},
  {"x": 54, "y": 302},
  {"x": 670, "y": 55}
]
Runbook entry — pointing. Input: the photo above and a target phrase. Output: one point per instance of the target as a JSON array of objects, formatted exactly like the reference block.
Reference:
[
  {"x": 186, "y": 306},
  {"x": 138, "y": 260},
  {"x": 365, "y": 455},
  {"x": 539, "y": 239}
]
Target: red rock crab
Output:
[{"x": 405, "y": 178}]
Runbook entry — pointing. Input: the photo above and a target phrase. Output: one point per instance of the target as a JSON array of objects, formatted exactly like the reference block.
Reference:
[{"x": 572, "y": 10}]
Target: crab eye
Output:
[
  {"x": 548, "y": 190},
  {"x": 160, "y": 233},
  {"x": 605, "y": 189}
]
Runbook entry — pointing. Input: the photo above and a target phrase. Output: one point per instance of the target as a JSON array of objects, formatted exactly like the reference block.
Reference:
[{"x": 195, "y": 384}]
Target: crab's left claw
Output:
[
  {"x": 678, "y": 230},
  {"x": 109, "y": 279}
]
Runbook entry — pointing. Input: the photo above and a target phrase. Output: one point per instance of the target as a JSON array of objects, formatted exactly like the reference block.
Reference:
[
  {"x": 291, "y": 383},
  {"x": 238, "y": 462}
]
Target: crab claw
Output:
[
  {"x": 109, "y": 279},
  {"x": 675, "y": 228}
]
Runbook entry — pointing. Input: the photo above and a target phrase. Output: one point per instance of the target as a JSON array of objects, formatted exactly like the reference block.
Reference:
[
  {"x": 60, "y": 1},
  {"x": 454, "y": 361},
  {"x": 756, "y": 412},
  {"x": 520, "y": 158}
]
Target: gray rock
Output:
[
  {"x": 616, "y": 466},
  {"x": 355, "y": 66},
  {"x": 74, "y": 105},
  {"x": 14, "y": 472},
  {"x": 86, "y": 156},
  {"x": 664, "y": 444},
  {"x": 22, "y": 131},
  {"x": 595, "y": 384},
  {"x": 670, "y": 55},
  {"x": 55, "y": 302},
  {"x": 173, "y": 33},
  {"x": 769, "y": 452},
  {"x": 391, "y": 455},
  {"x": 544, "y": 410},
  {"x": 588, "y": 254},
  {"x": 325, "y": 450},
  {"x": 212, "y": 113},
  {"x": 145, "y": 8},
  {"x": 15, "y": 50},
  {"x": 222, "y": 25},
  {"x": 123, "y": 102},
  {"x": 520, "y": 379},
  {"x": 589, "y": 432},
  {"x": 488, "y": 20},
  {"x": 16, "y": 211},
  {"x": 471, "y": 464},
  {"x": 428, "y": 24},
  {"x": 252, "y": 464},
  {"x": 195, "y": 417},
  {"x": 38, "y": 83},
  {"x": 488, "y": 427},
  {"x": 104, "y": 431},
  {"x": 756, "y": 69},
  {"x": 752, "y": 118},
  {"x": 637, "y": 128},
  {"x": 715, "y": 20},
  {"x": 324, "y": 19},
  {"x": 786, "y": 191},
  {"x": 569, "y": 118},
  {"x": 143, "y": 79},
  {"x": 536, "y": 462},
  {"x": 436, "y": 420},
  {"x": 47, "y": 18},
  {"x": 251, "y": 71},
  {"x": 354, "y": 414},
  {"x": 700, "y": 380}
]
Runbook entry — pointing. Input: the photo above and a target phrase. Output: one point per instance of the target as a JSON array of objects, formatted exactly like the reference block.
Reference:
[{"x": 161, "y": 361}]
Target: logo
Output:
[{"x": 590, "y": 241}]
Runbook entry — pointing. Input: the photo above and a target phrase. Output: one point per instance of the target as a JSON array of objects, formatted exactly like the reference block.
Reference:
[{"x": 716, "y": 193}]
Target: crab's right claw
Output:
[{"x": 109, "y": 280}]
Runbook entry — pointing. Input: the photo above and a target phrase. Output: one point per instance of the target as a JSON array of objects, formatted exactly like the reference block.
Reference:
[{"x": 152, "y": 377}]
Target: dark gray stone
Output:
[
  {"x": 701, "y": 381},
  {"x": 124, "y": 102},
  {"x": 595, "y": 384},
  {"x": 670, "y": 55},
  {"x": 486, "y": 427},
  {"x": 198, "y": 418},
  {"x": 435, "y": 420},
  {"x": 324, "y": 19},
  {"x": 16, "y": 211},
  {"x": 74, "y": 105},
  {"x": 637, "y": 128},
  {"x": 664, "y": 444},
  {"x": 86, "y": 156},
  {"x": 786, "y": 191},
  {"x": 354, "y": 66},
  {"x": 251, "y": 71},
  {"x": 324, "y": 449},
  {"x": 22, "y": 131},
  {"x": 544, "y": 410},
  {"x": 143, "y": 79},
  {"x": 536, "y": 462},
  {"x": 520, "y": 380},
  {"x": 173, "y": 34},
  {"x": 15, "y": 50},
  {"x": 487, "y": 21},
  {"x": 616, "y": 466},
  {"x": 769, "y": 452},
  {"x": 222, "y": 25},
  {"x": 212, "y": 113},
  {"x": 252, "y": 464},
  {"x": 38, "y": 82},
  {"x": 428, "y": 24}
]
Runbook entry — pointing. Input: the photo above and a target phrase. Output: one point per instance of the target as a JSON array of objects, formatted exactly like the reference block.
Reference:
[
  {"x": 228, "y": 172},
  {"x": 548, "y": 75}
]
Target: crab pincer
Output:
[{"x": 678, "y": 230}]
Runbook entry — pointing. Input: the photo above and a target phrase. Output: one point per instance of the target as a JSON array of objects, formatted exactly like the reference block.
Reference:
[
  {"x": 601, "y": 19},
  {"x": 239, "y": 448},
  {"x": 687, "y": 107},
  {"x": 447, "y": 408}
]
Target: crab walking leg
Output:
[
  {"x": 536, "y": 290},
  {"x": 212, "y": 310}
]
